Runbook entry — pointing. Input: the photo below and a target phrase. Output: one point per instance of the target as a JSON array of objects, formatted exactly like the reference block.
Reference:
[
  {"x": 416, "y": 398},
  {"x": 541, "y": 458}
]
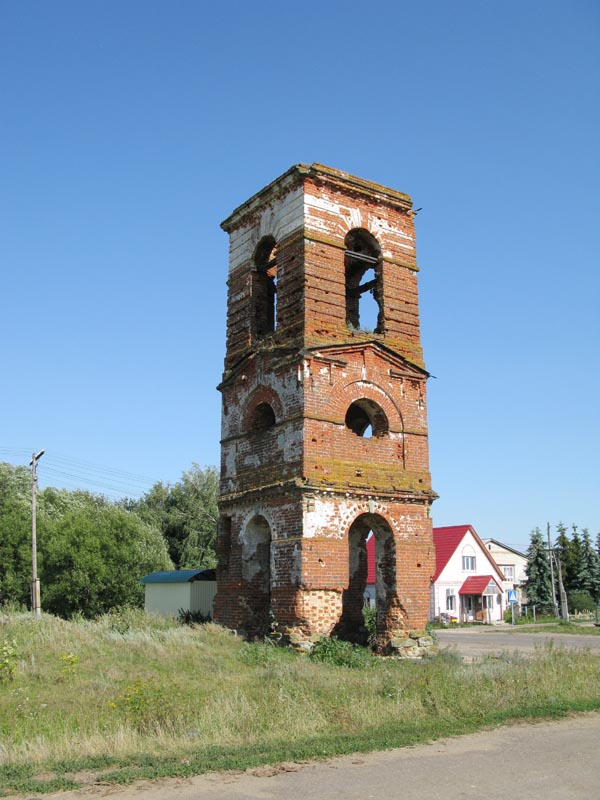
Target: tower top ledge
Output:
[{"x": 319, "y": 172}]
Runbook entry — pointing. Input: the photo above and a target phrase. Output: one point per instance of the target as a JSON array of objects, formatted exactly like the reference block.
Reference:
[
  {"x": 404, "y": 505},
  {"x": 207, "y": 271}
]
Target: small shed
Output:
[{"x": 169, "y": 592}]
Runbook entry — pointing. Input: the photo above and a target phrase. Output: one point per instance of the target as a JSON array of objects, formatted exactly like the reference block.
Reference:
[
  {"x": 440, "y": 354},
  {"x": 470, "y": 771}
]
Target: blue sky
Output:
[{"x": 129, "y": 130}]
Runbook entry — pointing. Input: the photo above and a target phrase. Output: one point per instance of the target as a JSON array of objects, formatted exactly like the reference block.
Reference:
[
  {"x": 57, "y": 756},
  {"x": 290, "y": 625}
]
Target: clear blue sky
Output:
[{"x": 130, "y": 129}]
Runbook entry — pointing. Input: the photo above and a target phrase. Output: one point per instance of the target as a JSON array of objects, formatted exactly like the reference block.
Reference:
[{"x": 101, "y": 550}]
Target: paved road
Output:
[
  {"x": 550, "y": 761},
  {"x": 472, "y": 642}
]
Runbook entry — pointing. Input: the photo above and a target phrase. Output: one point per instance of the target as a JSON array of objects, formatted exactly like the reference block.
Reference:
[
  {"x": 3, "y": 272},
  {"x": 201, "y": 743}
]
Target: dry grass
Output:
[{"x": 133, "y": 690}]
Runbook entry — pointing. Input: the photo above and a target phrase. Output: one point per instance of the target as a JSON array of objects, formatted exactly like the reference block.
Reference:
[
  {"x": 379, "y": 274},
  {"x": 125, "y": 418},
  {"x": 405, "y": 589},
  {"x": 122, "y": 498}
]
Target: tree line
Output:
[
  {"x": 92, "y": 552},
  {"x": 575, "y": 560}
]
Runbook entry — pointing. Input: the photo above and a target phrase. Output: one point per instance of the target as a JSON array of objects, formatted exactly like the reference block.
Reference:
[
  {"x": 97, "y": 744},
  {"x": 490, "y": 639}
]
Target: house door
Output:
[
  {"x": 467, "y": 608},
  {"x": 488, "y": 605}
]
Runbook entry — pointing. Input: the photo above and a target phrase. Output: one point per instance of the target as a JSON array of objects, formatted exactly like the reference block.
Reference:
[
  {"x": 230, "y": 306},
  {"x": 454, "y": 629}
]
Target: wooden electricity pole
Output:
[
  {"x": 550, "y": 553},
  {"x": 35, "y": 583},
  {"x": 564, "y": 605}
]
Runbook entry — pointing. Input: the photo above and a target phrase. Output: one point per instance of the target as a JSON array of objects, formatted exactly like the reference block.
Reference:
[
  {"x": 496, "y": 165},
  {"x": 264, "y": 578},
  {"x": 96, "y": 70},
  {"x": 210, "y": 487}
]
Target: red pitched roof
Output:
[
  {"x": 447, "y": 539},
  {"x": 477, "y": 584}
]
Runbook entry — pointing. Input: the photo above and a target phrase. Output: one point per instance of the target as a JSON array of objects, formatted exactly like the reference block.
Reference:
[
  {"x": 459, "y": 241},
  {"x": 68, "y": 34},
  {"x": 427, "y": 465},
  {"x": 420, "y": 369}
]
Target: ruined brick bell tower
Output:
[{"x": 324, "y": 426}]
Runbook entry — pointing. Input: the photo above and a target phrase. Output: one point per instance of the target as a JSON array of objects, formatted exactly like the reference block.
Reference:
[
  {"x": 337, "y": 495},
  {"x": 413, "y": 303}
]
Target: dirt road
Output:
[{"x": 553, "y": 761}]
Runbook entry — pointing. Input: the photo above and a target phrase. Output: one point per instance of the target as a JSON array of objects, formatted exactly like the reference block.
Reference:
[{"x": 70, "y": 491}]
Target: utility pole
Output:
[
  {"x": 35, "y": 583},
  {"x": 564, "y": 605},
  {"x": 550, "y": 553}
]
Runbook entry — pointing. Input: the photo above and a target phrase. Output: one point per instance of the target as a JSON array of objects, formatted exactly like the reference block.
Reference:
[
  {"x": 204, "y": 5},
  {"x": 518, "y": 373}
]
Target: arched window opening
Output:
[
  {"x": 366, "y": 419},
  {"x": 364, "y": 306},
  {"x": 256, "y": 571},
  {"x": 371, "y": 578},
  {"x": 265, "y": 286},
  {"x": 262, "y": 419},
  {"x": 223, "y": 546}
]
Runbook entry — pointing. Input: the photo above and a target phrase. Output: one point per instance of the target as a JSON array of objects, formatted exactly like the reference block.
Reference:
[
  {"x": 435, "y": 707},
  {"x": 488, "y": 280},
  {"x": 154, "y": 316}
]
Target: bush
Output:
[
  {"x": 8, "y": 660},
  {"x": 580, "y": 601},
  {"x": 187, "y": 617},
  {"x": 370, "y": 618},
  {"x": 329, "y": 650}
]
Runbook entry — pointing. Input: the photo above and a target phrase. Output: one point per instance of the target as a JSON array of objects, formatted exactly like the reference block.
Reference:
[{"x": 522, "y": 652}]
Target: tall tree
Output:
[
  {"x": 564, "y": 551},
  {"x": 588, "y": 576},
  {"x": 94, "y": 554},
  {"x": 576, "y": 555},
  {"x": 15, "y": 534},
  {"x": 187, "y": 514},
  {"x": 91, "y": 553},
  {"x": 538, "y": 584}
]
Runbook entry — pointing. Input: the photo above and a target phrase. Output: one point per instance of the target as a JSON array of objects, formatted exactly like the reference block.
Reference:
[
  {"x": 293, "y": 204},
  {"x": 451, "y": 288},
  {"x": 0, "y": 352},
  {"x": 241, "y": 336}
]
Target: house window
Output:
[
  {"x": 468, "y": 563},
  {"x": 450, "y": 600},
  {"x": 509, "y": 572}
]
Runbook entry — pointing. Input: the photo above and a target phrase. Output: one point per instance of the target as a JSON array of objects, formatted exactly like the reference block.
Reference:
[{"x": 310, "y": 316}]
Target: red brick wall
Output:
[{"x": 309, "y": 476}]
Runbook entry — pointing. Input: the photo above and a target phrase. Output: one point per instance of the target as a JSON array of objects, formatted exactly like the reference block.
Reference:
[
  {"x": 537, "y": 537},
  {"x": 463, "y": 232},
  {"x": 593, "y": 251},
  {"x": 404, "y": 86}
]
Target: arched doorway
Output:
[
  {"x": 256, "y": 573},
  {"x": 351, "y": 625}
]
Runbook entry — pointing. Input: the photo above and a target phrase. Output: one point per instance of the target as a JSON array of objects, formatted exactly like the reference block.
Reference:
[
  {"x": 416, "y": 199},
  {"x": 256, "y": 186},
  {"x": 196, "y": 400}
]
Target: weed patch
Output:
[
  {"x": 8, "y": 660},
  {"x": 157, "y": 698},
  {"x": 338, "y": 653}
]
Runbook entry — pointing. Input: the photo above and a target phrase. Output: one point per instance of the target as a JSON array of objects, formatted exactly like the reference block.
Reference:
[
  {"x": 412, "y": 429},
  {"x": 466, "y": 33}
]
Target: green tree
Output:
[
  {"x": 575, "y": 566},
  {"x": 538, "y": 584},
  {"x": 564, "y": 551},
  {"x": 588, "y": 576},
  {"x": 15, "y": 534},
  {"x": 91, "y": 553},
  {"x": 94, "y": 554},
  {"x": 187, "y": 515}
]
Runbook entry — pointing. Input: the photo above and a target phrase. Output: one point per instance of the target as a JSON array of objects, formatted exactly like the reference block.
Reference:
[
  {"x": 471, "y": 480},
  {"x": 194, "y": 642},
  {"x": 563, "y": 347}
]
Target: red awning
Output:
[{"x": 477, "y": 584}]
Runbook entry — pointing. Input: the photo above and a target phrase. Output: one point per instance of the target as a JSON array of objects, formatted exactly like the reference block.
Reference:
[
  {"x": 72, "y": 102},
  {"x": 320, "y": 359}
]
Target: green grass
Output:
[
  {"x": 130, "y": 696},
  {"x": 559, "y": 627}
]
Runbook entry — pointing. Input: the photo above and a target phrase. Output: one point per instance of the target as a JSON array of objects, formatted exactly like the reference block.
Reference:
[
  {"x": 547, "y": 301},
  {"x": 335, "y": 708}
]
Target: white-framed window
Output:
[
  {"x": 450, "y": 600},
  {"x": 468, "y": 563},
  {"x": 509, "y": 572}
]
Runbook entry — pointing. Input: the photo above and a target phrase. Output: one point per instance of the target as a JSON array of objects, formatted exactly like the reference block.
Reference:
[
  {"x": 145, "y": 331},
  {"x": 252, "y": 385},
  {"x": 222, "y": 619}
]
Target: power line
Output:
[{"x": 81, "y": 474}]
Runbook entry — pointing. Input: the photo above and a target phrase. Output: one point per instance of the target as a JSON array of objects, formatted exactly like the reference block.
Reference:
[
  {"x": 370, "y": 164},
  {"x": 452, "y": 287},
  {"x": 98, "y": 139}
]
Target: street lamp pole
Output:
[{"x": 35, "y": 583}]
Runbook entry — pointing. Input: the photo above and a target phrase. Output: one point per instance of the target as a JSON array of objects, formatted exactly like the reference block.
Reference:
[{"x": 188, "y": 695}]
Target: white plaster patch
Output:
[
  {"x": 324, "y": 518},
  {"x": 320, "y": 203},
  {"x": 279, "y": 220}
]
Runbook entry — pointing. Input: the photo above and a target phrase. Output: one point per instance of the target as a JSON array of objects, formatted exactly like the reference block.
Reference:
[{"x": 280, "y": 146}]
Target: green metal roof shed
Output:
[{"x": 168, "y": 593}]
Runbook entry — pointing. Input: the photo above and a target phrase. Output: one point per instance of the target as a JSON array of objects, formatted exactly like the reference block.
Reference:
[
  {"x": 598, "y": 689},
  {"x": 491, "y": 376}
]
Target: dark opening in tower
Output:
[
  {"x": 264, "y": 289},
  {"x": 364, "y": 292},
  {"x": 351, "y": 626}
]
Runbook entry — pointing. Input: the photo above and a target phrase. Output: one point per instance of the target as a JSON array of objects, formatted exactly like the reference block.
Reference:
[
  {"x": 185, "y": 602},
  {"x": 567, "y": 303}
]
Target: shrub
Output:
[
  {"x": 187, "y": 617},
  {"x": 8, "y": 660},
  {"x": 580, "y": 601},
  {"x": 370, "y": 618},
  {"x": 143, "y": 703},
  {"x": 329, "y": 650}
]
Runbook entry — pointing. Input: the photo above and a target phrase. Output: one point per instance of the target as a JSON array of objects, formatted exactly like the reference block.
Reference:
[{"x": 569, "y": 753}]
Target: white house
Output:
[
  {"x": 467, "y": 584},
  {"x": 512, "y": 564},
  {"x": 168, "y": 593}
]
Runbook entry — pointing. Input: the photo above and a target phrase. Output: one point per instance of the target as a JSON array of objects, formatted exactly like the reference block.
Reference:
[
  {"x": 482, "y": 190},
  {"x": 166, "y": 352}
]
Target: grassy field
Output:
[
  {"x": 581, "y": 629},
  {"x": 130, "y": 696}
]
